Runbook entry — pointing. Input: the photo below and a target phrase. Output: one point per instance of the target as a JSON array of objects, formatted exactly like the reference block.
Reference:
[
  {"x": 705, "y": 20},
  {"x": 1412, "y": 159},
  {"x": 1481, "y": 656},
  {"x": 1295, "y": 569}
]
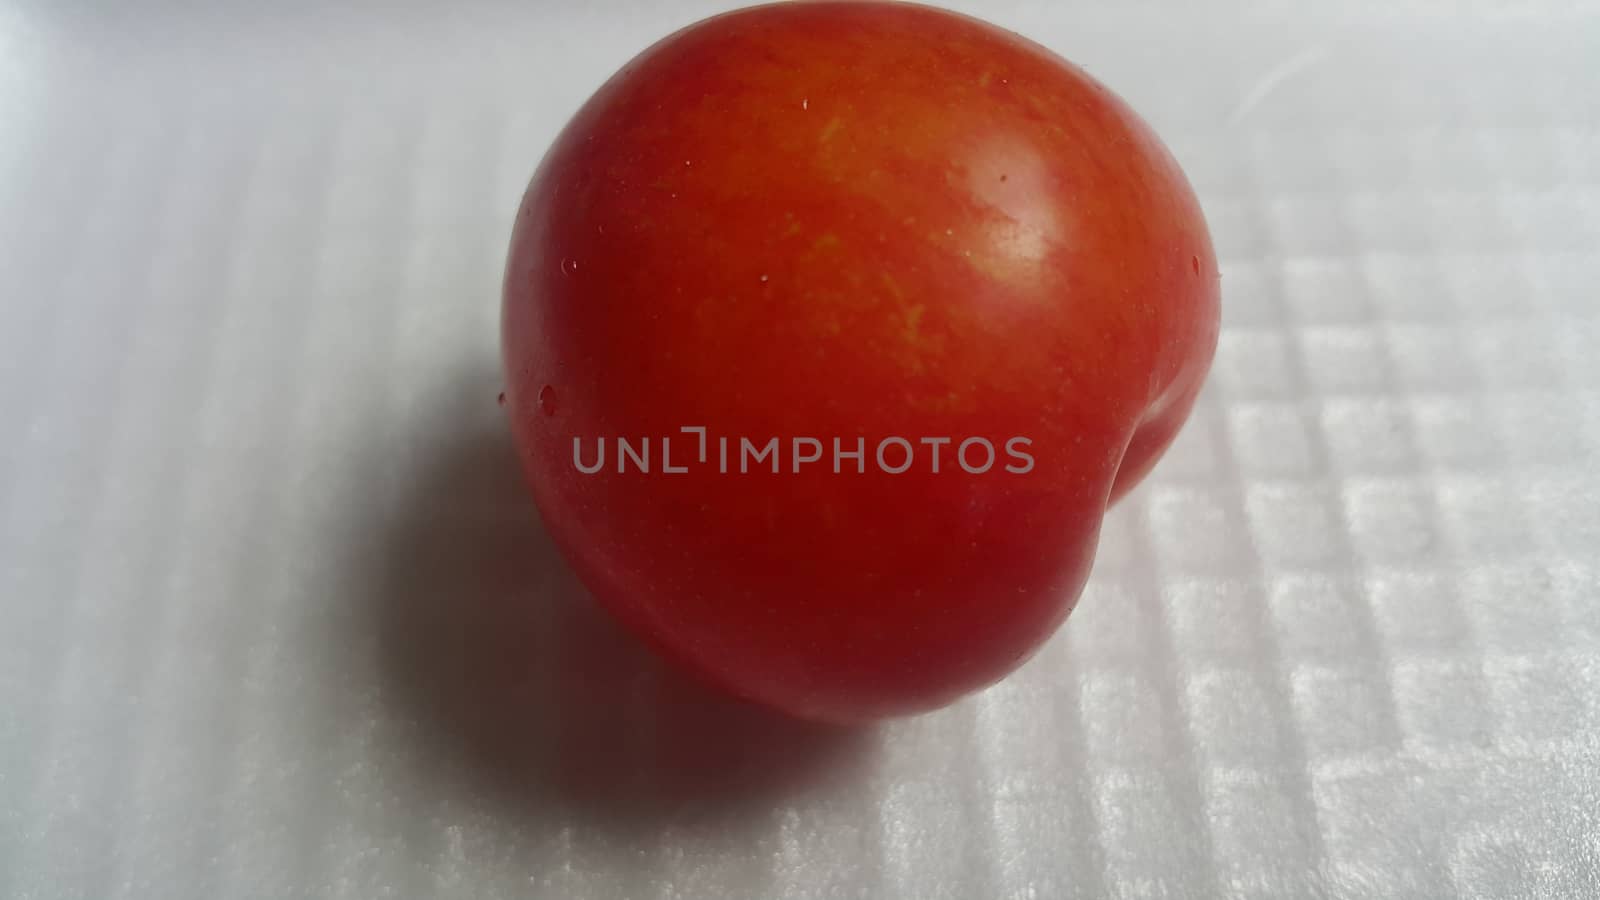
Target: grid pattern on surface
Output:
[{"x": 265, "y": 602}]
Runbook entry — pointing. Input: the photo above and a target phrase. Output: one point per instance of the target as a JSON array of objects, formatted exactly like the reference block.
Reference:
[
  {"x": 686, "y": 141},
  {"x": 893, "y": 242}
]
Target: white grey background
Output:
[{"x": 277, "y": 619}]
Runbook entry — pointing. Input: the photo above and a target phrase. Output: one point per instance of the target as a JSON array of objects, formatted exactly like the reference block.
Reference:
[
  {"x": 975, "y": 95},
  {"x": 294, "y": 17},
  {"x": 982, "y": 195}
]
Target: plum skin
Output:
[{"x": 843, "y": 219}]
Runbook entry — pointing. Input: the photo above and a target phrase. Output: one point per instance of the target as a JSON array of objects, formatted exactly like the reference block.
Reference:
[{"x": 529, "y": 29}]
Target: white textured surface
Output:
[{"x": 270, "y": 623}]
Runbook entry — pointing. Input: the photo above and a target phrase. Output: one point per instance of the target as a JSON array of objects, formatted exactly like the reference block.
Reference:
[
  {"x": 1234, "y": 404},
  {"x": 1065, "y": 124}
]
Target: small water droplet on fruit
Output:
[
  {"x": 686, "y": 162},
  {"x": 547, "y": 400},
  {"x": 569, "y": 266},
  {"x": 949, "y": 232},
  {"x": 1194, "y": 263},
  {"x": 763, "y": 279}
]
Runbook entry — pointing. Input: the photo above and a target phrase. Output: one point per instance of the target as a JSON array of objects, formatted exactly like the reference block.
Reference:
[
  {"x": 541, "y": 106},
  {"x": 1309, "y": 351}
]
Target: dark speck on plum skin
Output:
[
  {"x": 501, "y": 399},
  {"x": 1194, "y": 262}
]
